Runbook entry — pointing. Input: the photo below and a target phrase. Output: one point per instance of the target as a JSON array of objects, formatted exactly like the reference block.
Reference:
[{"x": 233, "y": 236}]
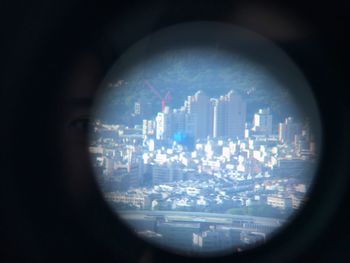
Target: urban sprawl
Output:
[{"x": 202, "y": 178}]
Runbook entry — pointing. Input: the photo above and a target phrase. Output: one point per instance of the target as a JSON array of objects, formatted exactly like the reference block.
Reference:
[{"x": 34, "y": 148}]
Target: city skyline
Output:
[
  {"x": 154, "y": 100},
  {"x": 201, "y": 117},
  {"x": 206, "y": 158},
  {"x": 189, "y": 164}
]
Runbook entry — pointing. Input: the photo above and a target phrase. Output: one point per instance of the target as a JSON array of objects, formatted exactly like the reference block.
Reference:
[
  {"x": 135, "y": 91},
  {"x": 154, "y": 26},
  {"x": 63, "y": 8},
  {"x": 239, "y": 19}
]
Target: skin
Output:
[
  {"x": 78, "y": 101},
  {"x": 78, "y": 98}
]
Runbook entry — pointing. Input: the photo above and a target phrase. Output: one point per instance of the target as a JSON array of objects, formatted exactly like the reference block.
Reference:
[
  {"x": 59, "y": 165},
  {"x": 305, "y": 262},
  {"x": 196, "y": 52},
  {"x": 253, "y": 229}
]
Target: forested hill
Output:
[{"x": 185, "y": 72}]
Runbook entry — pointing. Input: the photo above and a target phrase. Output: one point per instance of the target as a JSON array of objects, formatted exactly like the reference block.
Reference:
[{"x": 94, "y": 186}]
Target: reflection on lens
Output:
[{"x": 206, "y": 139}]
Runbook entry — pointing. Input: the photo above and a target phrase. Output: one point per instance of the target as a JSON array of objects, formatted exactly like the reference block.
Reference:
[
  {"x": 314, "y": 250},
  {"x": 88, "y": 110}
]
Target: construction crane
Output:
[{"x": 164, "y": 99}]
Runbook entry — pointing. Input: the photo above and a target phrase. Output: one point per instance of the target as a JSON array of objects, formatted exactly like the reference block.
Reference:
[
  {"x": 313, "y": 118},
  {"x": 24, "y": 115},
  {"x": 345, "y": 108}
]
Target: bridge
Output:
[{"x": 239, "y": 222}]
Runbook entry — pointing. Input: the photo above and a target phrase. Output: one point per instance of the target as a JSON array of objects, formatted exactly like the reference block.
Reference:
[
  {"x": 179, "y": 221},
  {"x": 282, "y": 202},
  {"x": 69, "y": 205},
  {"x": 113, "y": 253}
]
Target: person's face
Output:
[{"x": 77, "y": 103}]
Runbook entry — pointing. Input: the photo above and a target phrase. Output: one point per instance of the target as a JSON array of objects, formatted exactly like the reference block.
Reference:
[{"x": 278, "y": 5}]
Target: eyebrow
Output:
[{"x": 83, "y": 102}]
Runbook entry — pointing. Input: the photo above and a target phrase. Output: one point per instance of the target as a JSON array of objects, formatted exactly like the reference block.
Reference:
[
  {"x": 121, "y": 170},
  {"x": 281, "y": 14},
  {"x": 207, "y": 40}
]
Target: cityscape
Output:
[{"x": 203, "y": 177}]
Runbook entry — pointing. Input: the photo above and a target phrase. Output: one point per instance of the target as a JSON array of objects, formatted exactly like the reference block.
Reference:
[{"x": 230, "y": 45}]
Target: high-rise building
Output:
[
  {"x": 176, "y": 171},
  {"x": 167, "y": 172},
  {"x": 235, "y": 115},
  {"x": 163, "y": 124},
  {"x": 288, "y": 131},
  {"x": 160, "y": 126},
  {"x": 148, "y": 127},
  {"x": 137, "y": 108},
  {"x": 218, "y": 118},
  {"x": 135, "y": 171},
  {"x": 229, "y": 116},
  {"x": 211, "y": 240},
  {"x": 211, "y": 115},
  {"x": 199, "y": 115},
  {"x": 190, "y": 124},
  {"x": 161, "y": 174},
  {"x": 262, "y": 122},
  {"x": 179, "y": 120},
  {"x": 109, "y": 166},
  {"x": 142, "y": 108},
  {"x": 178, "y": 235}
]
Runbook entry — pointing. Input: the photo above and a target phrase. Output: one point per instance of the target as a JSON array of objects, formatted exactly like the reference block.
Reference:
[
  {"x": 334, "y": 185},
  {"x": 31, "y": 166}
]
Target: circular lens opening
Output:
[{"x": 205, "y": 139}]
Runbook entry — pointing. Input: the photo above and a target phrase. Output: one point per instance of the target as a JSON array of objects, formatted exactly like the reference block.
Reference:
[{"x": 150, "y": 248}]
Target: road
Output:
[{"x": 198, "y": 217}]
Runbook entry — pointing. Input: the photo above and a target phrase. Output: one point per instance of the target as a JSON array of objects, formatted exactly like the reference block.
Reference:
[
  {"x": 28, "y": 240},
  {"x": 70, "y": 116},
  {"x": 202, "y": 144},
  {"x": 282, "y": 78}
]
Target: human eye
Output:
[{"x": 80, "y": 124}]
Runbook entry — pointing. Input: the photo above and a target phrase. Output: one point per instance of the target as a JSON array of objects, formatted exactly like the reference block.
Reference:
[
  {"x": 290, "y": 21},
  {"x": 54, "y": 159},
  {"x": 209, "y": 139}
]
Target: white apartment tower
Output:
[
  {"x": 163, "y": 124},
  {"x": 199, "y": 120},
  {"x": 229, "y": 116}
]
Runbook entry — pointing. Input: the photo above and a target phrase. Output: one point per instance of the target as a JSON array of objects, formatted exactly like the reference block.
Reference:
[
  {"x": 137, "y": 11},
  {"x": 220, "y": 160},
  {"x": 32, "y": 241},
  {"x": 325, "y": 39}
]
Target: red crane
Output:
[{"x": 164, "y": 99}]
